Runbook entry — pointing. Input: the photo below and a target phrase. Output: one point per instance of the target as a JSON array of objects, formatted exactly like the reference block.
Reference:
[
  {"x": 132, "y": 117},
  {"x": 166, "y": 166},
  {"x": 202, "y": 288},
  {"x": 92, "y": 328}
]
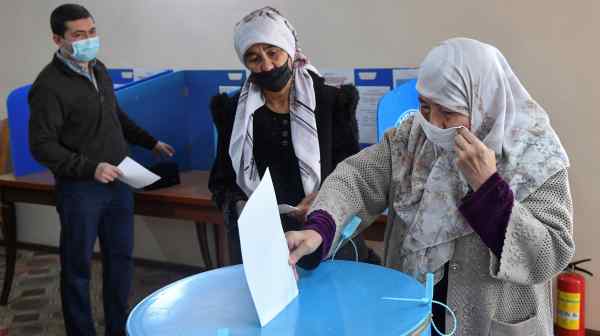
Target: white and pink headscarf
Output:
[{"x": 267, "y": 25}]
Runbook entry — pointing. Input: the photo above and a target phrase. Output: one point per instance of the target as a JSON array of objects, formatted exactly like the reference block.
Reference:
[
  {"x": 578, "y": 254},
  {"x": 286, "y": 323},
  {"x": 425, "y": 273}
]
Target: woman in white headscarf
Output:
[
  {"x": 477, "y": 190},
  {"x": 285, "y": 119}
]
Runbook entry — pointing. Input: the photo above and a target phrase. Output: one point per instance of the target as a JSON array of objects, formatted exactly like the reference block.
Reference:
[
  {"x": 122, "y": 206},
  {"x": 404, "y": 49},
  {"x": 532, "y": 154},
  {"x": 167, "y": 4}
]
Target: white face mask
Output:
[{"x": 442, "y": 137}]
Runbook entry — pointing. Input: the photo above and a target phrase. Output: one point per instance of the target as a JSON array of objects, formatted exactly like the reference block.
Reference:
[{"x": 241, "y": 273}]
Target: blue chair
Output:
[
  {"x": 18, "y": 120},
  {"x": 394, "y": 105}
]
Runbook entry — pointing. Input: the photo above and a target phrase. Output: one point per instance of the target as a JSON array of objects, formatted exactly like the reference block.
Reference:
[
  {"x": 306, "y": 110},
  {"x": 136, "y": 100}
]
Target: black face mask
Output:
[{"x": 273, "y": 80}]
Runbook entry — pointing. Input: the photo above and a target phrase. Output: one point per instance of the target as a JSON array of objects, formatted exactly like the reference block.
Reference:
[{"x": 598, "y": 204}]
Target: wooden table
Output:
[{"x": 189, "y": 200}]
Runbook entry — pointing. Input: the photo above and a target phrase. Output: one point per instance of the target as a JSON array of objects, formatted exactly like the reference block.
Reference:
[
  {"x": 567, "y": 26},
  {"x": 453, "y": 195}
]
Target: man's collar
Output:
[{"x": 75, "y": 66}]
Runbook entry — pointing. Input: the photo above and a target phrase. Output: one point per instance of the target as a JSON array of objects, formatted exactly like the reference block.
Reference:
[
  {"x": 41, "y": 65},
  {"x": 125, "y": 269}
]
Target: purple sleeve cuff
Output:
[
  {"x": 323, "y": 223},
  {"x": 488, "y": 211}
]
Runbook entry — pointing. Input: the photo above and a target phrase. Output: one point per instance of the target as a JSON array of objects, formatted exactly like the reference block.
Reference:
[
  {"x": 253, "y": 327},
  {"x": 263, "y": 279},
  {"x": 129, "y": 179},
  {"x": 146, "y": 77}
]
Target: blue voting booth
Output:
[
  {"x": 172, "y": 106},
  {"x": 175, "y": 109}
]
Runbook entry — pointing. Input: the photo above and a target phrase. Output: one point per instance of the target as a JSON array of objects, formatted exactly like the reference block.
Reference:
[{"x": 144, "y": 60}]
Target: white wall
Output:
[{"x": 552, "y": 46}]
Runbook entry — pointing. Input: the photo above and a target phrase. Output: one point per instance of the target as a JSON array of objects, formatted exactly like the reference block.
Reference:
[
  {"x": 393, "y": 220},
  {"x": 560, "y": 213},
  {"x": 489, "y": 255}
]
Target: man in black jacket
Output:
[{"x": 79, "y": 132}]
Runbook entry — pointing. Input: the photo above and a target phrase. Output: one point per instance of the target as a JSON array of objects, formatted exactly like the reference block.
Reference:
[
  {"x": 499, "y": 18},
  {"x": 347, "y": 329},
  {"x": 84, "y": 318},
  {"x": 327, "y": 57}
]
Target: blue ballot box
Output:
[{"x": 337, "y": 298}]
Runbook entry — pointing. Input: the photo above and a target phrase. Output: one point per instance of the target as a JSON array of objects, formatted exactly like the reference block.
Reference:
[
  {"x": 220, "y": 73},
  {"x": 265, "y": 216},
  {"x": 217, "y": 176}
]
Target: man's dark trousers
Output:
[{"x": 90, "y": 209}]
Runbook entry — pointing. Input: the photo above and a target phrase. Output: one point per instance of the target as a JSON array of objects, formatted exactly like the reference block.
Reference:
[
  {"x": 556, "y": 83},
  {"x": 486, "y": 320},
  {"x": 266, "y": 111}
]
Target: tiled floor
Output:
[{"x": 34, "y": 306}]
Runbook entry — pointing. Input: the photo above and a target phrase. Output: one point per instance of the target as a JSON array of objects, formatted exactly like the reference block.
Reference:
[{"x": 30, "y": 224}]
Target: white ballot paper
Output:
[
  {"x": 285, "y": 209},
  {"x": 135, "y": 174},
  {"x": 265, "y": 253}
]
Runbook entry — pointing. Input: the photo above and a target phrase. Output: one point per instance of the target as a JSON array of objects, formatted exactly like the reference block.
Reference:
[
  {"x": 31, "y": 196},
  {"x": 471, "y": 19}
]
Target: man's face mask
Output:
[
  {"x": 84, "y": 50},
  {"x": 442, "y": 137},
  {"x": 273, "y": 80}
]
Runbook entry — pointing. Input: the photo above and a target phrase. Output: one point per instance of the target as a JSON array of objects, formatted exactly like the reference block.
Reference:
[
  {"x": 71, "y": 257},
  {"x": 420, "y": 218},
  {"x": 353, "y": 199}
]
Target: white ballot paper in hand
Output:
[
  {"x": 135, "y": 174},
  {"x": 265, "y": 253},
  {"x": 285, "y": 209}
]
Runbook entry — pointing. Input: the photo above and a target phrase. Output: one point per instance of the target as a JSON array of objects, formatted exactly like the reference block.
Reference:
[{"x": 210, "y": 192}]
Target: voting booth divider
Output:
[{"x": 174, "y": 107}]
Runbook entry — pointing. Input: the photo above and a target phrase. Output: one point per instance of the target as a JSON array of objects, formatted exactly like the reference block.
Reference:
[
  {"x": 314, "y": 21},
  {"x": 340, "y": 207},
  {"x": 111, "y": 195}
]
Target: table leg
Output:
[
  {"x": 222, "y": 247},
  {"x": 9, "y": 230},
  {"x": 202, "y": 234}
]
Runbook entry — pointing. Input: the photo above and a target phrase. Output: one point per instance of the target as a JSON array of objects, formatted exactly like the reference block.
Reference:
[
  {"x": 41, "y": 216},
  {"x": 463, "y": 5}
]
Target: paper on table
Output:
[
  {"x": 135, "y": 174},
  {"x": 265, "y": 253},
  {"x": 366, "y": 114},
  {"x": 286, "y": 209}
]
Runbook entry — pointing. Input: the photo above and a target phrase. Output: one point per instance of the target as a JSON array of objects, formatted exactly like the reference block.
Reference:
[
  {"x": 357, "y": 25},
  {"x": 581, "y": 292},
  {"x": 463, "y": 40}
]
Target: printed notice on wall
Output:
[{"x": 366, "y": 113}]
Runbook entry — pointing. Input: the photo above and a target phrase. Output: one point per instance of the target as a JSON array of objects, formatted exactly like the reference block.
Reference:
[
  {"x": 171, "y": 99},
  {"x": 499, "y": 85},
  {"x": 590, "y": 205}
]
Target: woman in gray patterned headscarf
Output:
[{"x": 477, "y": 191}]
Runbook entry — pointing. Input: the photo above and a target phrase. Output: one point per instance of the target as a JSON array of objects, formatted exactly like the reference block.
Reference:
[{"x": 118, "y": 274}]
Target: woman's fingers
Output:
[
  {"x": 301, "y": 243},
  {"x": 299, "y": 252},
  {"x": 461, "y": 142},
  {"x": 471, "y": 138}
]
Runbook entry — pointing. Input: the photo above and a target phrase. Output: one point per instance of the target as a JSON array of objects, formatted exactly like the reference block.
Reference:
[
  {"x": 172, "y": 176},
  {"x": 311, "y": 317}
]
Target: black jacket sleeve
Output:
[
  {"x": 45, "y": 124},
  {"x": 222, "y": 181},
  {"x": 345, "y": 134}
]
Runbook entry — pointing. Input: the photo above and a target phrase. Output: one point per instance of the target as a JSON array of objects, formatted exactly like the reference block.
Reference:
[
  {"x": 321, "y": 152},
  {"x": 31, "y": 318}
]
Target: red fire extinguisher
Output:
[{"x": 570, "y": 317}]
